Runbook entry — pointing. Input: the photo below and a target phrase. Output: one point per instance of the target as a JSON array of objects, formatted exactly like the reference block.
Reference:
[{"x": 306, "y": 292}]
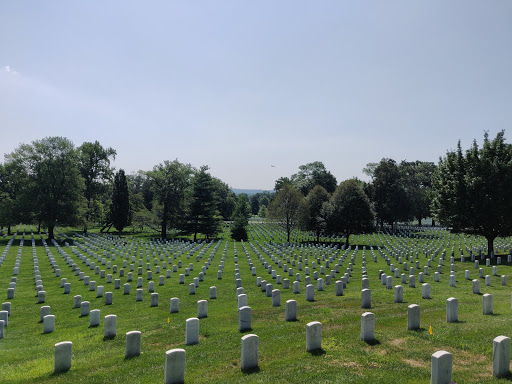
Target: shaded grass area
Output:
[{"x": 398, "y": 356}]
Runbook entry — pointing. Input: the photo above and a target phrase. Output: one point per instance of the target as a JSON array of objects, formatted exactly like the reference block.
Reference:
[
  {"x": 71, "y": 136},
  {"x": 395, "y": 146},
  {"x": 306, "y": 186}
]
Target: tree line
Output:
[
  {"x": 467, "y": 191},
  {"x": 51, "y": 182}
]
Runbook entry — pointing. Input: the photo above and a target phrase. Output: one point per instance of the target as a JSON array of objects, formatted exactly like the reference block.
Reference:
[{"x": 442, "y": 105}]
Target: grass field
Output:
[{"x": 396, "y": 356}]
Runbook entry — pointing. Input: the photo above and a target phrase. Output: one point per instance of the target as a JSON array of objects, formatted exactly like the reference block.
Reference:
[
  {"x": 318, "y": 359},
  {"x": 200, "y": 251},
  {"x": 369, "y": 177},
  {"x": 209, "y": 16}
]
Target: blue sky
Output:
[{"x": 241, "y": 85}]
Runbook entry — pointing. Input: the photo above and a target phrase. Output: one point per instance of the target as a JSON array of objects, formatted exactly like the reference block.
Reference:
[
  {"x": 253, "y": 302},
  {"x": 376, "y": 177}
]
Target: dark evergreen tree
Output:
[
  {"x": 471, "y": 191},
  {"x": 255, "y": 204},
  {"x": 120, "y": 202},
  {"x": 203, "y": 215},
  {"x": 241, "y": 216}
]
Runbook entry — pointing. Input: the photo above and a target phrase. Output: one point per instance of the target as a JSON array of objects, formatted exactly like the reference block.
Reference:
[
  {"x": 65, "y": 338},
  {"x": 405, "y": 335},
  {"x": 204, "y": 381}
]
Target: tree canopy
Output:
[
  {"x": 169, "y": 181},
  {"x": 94, "y": 165},
  {"x": 349, "y": 210},
  {"x": 284, "y": 209},
  {"x": 203, "y": 215},
  {"x": 120, "y": 202},
  {"x": 471, "y": 190},
  {"x": 54, "y": 187}
]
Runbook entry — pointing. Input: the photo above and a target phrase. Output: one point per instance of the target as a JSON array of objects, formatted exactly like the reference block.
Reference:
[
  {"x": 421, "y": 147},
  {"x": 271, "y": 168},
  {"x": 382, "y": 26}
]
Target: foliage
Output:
[
  {"x": 242, "y": 208},
  {"x": 416, "y": 178},
  {"x": 307, "y": 177},
  {"x": 312, "y": 174},
  {"x": 349, "y": 210},
  {"x": 54, "y": 186},
  {"x": 203, "y": 215},
  {"x": 389, "y": 195},
  {"x": 265, "y": 199},
  {"x": 120, "y": 202},
  {"x": 263, "y": 212},
  {"x": 284, "y": 209},
  {"x": 13, "y": 180},
  {"x": 281, "y": 182},
  {"x": 241, "y": 217},
  {"x": 255, "y": 204},
  {"x": 471, "y": 190},
  {"x": 226, "y": 198},
  {"x": 94, "y": 165},
  {"x": 169, "y": 181},
  {"x": 312, "y": 219}
]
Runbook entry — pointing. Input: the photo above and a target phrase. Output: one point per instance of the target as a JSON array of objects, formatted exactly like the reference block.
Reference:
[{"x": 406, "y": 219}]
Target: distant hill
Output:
[{"x": 248, "y": 191}]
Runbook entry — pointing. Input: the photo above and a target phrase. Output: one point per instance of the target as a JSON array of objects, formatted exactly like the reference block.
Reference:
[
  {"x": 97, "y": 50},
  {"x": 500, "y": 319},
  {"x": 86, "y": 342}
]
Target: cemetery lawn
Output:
[{"x": 396, "y": 356}]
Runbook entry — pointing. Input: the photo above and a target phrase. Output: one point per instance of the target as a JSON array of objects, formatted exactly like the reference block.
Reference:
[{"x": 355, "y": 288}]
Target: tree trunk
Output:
[
  {"x": 195, "y": 236},
  {"x": 490, "y": 244},
  {"x": 419, "y": 221},
  {"x": 50, "y": 232},
  {"x": 163, "y": 232},
  {"x": 433, "y": 223},
  {"x": 347, "y": 240},
  {"x": 318, "y": 237},
  {"x": 9, "y": 233}
]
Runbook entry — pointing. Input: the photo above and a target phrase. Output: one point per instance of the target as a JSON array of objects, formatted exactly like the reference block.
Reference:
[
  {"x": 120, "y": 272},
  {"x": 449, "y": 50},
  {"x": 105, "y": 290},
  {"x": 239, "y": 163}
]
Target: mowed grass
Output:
[{"x": 396, "y": 356}]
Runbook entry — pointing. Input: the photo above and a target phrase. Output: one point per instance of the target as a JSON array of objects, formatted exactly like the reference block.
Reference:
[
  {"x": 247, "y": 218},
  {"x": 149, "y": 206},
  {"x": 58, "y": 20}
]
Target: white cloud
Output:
[{"x": 8, "y": 69}]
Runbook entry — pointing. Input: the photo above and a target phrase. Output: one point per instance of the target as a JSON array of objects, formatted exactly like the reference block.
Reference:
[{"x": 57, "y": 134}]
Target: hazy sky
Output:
[{"x": 240, "y": 85}]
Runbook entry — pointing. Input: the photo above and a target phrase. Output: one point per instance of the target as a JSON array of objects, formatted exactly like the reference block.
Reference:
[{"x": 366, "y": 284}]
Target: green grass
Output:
[{"x": 397, "y": 356}]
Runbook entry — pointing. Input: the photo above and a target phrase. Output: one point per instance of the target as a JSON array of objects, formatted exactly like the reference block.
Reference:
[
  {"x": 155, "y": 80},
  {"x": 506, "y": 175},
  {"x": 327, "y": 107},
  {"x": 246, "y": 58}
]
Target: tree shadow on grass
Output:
[{"x": 318, "y": 352}]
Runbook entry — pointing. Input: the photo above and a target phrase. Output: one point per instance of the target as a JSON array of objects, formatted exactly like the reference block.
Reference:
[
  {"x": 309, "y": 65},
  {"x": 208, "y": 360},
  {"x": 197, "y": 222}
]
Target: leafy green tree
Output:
[
  {"x": 284, "y": 209},
  {"x": 54, "y": 188},
  {"x": 416, "y": 178},
  {"x": 312, "y": 219},
  {"x": 349, "y": 210},
  {"x": 169, "y": 182},
  {"x": 471, "y": 191},
  {"x": 390, "y": 198},
  {"x": 97, "y": 212},
  {"x": 263, "y": 212},
  {"x": 264, "y": 200},
  {"x": 312, "y": 174},
  {"x": 120, "y": 202},
  {"x": 242, "y": 208},
  {"x": 241, "y": 217},
  {"x": 281, "y": 182},
  {"x": 203, "y": 215},
  {"x": 94, "y": 164},
  {"x": 13, "y": 180},
  {"x": 226, "y": 198}
]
